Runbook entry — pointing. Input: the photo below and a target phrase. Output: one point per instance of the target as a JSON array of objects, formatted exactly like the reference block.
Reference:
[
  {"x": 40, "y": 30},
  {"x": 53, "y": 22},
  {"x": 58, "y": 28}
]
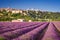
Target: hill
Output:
[{"x": 9, "y": 14}]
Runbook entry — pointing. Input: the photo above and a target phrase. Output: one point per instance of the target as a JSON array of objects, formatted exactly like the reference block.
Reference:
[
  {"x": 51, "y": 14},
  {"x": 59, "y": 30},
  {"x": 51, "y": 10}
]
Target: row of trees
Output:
[{"x": 45, "y": 15}]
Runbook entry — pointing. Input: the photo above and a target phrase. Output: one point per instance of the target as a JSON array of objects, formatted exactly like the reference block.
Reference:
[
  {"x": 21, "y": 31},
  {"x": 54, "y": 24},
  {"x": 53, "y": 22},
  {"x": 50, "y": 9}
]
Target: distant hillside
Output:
[{"x": 9, "y": 14}]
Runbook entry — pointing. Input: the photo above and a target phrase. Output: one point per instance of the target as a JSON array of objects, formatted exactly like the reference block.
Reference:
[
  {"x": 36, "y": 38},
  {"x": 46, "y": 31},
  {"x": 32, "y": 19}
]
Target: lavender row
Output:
[
  {"x": 14, "y": 28},
  {"x": 12, "y": 24},
  {"x": 51, "y": 33},
  {"x": 57, "y": 25},
  {"x": 18, "y": 32},
  {"x": 32, "y": 34}
]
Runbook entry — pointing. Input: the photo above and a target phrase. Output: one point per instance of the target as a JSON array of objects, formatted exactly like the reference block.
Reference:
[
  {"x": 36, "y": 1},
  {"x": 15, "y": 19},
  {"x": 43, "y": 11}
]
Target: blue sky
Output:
[{"x": 48, "y": 5}]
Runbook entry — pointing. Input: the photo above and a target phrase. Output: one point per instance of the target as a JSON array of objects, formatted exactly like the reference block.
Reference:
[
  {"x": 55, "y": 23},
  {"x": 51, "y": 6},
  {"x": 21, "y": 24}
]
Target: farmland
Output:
[{"x": 30, "y": 30}]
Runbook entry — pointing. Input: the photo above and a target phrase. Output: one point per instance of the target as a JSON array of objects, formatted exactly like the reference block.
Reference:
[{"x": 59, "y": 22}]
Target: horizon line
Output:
[{"x": 30, "y": 9}]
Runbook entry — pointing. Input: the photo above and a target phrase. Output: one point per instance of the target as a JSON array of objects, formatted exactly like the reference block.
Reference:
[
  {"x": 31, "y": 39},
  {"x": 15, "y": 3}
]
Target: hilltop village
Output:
[{"x": 19, "y": 15}]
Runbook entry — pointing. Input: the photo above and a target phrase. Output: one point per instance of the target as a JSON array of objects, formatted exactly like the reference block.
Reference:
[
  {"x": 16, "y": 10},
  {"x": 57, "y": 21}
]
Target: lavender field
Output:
[{"x": 29, "y": 30}]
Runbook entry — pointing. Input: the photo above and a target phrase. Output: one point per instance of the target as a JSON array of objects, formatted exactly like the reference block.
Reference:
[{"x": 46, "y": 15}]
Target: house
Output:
[
  {"x": 16, "y": 11},
  {"x": 18, "y": 20},
  {"x": 30, "y": 20}
]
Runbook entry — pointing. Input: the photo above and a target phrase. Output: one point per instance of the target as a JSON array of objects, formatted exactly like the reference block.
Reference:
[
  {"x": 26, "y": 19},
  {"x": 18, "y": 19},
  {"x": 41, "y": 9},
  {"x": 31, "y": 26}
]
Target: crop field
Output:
[{"x": 29, "y": 30}]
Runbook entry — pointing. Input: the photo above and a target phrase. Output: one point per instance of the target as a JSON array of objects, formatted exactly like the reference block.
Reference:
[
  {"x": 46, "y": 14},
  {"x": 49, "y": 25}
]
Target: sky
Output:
[{"x": 45, "y": 5}]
